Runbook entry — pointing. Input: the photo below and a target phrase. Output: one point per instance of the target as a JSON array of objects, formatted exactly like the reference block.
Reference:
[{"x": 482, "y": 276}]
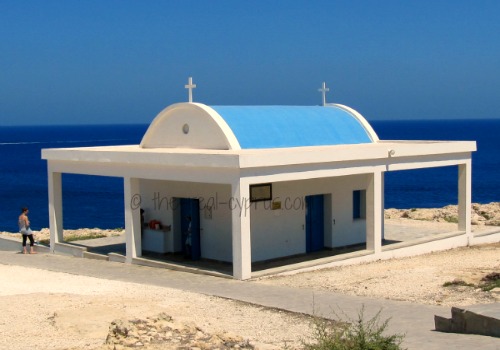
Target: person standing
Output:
[
  {"x": 188, "y": 251},
  {"x": 142, "y": 222},
  {"x": 24, "y": 228}
]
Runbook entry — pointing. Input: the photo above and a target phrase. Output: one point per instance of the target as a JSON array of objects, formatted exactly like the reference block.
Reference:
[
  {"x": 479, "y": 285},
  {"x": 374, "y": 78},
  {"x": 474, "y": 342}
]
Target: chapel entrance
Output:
[
  {"x": 315, "y": 223},
  {"x": 190, "y": 227}
]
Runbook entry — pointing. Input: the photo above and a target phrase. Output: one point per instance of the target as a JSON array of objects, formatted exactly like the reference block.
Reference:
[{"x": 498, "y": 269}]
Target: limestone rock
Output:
[
  {"x": 495, "y": 293},
  {"x": 162, "y": 332},
  {"x": 481, "y": 214}
]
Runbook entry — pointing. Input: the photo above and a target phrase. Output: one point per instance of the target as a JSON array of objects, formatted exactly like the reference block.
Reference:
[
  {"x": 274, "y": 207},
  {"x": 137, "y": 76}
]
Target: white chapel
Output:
[{"x": 246, "y": 184}]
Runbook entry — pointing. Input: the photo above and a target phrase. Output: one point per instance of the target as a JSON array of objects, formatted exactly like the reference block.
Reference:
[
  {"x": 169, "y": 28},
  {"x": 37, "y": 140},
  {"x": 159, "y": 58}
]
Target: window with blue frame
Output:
[{"x": 359, "y": 204}]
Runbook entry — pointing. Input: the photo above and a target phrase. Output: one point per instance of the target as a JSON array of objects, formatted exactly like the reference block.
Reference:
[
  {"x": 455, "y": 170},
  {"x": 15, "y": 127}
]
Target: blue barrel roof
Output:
[{"x": 293, "y": 126}]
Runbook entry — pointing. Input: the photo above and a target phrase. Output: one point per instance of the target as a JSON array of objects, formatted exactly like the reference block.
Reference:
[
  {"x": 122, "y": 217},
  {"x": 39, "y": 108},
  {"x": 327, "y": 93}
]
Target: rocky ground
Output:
[
  {"x": 164, "y": 333},
  {"x": 419, "y": 279},
  {"x": 51, "y": 310},
  {"x": 481, "y": 214}
]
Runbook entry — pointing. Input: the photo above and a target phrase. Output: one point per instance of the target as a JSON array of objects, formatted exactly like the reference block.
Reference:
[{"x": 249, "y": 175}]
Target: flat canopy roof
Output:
[{"x": 186, "y": 157}]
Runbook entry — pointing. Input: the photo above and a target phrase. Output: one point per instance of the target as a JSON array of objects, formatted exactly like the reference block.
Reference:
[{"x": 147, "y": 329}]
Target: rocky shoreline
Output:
[
  {"x": 481, "y": 214},
  {"x": 43, "y": 236}
]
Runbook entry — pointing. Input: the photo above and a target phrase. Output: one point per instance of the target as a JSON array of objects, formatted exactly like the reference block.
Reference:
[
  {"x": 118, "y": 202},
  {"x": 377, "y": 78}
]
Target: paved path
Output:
[{"x": 417, "y": 321}]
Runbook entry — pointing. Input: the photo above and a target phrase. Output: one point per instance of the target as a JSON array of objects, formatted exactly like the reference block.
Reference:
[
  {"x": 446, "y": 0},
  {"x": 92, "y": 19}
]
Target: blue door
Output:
[
  {"x": 315, "y": 226},
  {"x": 190, "y": 227}
]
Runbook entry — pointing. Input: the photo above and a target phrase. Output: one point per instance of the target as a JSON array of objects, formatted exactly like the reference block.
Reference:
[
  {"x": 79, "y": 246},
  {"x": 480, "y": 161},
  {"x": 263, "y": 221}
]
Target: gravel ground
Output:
[
  {"x": 51, "y": 310},
  {"x": 417, "y": 279}
]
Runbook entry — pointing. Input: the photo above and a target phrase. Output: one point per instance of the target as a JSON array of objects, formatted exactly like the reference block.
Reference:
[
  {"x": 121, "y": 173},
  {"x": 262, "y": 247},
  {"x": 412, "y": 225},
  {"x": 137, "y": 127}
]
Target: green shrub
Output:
[
  {"x": 44, "y": 241},
  {"x": 487, "y": 286},
  {"x": 71, "y": 238},
  {"x": 84, "y": 237},
  {"x": 490, "y": 281},
  {"x": 457, "y": 282},
  {"x": 451, "y": 219},
  {"x": 355, "y": 335}
]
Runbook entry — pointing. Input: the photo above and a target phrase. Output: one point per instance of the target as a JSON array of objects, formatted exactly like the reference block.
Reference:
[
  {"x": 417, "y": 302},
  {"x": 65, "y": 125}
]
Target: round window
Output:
[{"x": 185, "y": 128}]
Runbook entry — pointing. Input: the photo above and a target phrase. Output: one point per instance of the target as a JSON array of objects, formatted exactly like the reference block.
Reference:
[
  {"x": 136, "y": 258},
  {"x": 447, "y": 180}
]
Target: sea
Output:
[{"x": 95, "y": 201}]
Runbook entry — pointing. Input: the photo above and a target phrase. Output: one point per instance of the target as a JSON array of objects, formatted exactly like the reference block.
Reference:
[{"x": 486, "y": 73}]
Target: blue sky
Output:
[{"x": 99, "y": 61}]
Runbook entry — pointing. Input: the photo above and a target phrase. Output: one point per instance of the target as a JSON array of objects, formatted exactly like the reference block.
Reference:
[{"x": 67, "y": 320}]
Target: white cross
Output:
[
  {"x": 190, "y": 86},
  {"x": 323, "y": 91}
]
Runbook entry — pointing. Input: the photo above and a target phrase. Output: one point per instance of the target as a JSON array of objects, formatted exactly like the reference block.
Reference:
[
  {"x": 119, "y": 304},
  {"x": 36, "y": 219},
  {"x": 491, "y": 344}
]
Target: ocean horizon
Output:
[{"x": 96, "y": 201}]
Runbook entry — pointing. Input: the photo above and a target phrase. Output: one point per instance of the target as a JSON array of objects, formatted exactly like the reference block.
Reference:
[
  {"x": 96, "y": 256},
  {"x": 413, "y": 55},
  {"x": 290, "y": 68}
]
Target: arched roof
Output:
[{"x": 194, "y": 125}]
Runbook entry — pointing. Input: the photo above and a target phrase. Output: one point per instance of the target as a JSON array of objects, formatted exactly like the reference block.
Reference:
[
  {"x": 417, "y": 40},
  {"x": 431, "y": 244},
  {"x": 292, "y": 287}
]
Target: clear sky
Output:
[{"x": 103, "y": 61}]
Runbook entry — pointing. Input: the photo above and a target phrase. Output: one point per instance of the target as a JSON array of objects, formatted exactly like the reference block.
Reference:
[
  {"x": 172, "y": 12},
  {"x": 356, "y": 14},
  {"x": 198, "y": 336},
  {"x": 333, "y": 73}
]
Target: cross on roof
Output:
[
  {"x": 190, "y": 86},
  {"x": 323, "y": 91}
]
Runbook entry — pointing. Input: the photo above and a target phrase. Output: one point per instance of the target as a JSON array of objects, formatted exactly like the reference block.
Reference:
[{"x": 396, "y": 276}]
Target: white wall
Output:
[
  {"x": 346, "y": 230},
  {"x": 157, "y": 199},
  {"x": 274, "y": 233},
  {"x": 281, "y": 232}
]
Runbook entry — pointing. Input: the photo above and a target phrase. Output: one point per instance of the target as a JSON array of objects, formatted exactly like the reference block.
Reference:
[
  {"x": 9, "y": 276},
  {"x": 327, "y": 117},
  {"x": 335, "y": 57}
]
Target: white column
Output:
[
  {"x": 132, "y": 218},
  {"x": 55, "y": 208},
  {"x": 382, "y": 191},
  {"x": 465, "y": 196},
  {"x": 374, "y": 213},
  {"x": 240, "y": 213}
]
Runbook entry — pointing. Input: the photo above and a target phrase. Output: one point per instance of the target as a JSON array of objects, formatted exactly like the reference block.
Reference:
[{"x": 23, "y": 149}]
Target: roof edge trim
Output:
[
  {"x": 217, "y": 118},
  {"x": 373, "y": 135}
]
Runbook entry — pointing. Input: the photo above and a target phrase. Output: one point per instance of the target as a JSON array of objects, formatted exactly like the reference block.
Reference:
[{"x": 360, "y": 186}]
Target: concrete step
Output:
[{"x": 476, "y": 319}]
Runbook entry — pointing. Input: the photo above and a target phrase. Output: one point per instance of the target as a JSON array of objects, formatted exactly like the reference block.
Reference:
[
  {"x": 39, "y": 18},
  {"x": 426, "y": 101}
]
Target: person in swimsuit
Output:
[{"x": 24, "y": 228}]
